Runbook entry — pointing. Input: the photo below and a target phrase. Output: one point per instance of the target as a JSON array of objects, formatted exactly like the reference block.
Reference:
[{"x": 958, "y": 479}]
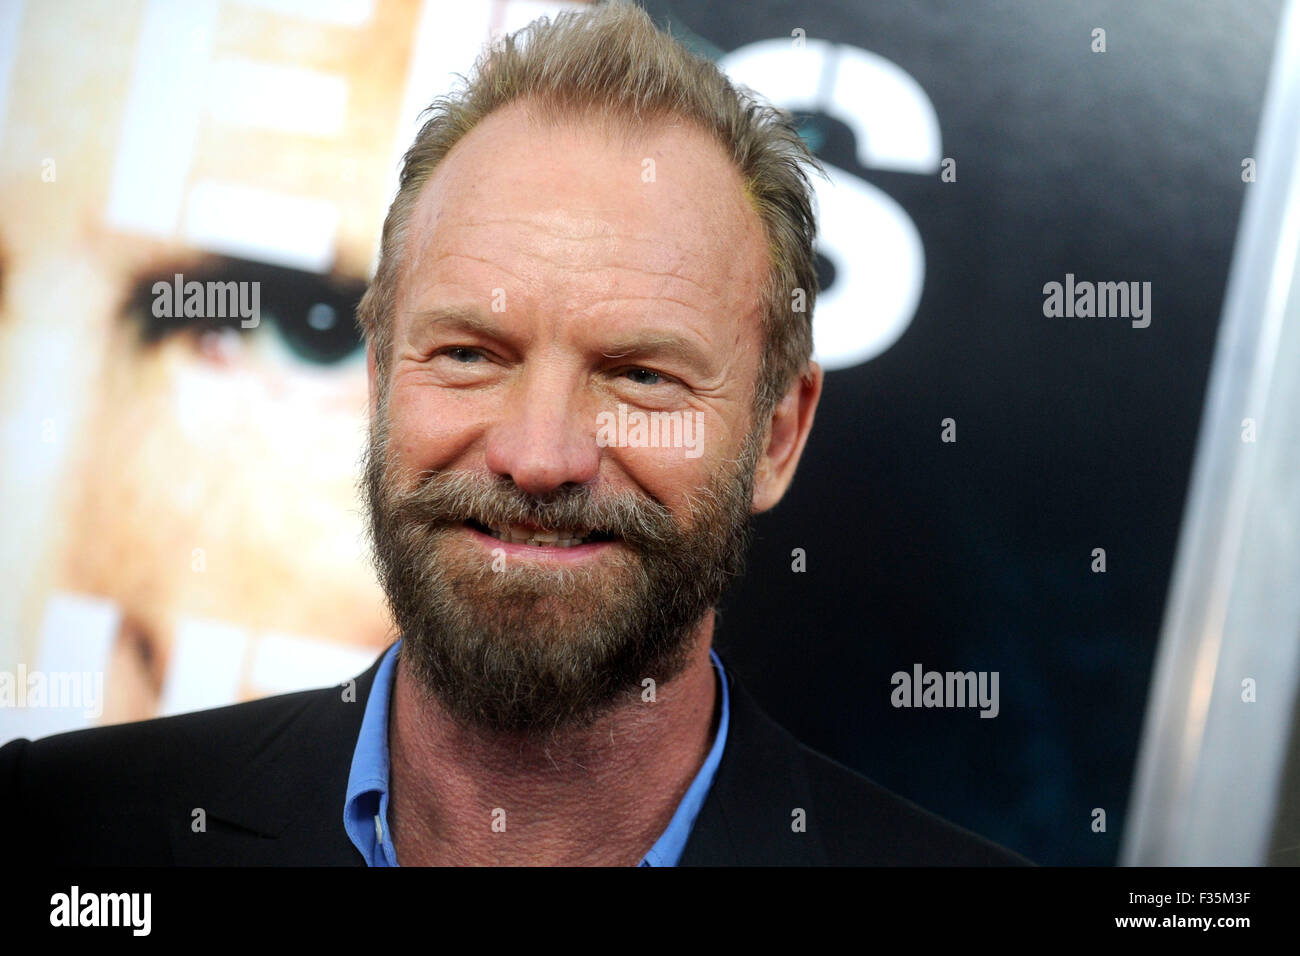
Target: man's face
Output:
[{"x": 543, "y": 554}]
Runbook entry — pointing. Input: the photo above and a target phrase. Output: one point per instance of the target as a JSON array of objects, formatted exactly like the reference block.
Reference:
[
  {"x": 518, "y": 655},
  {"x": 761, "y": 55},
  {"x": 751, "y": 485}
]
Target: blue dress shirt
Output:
[{"x": 365, "y": 812}]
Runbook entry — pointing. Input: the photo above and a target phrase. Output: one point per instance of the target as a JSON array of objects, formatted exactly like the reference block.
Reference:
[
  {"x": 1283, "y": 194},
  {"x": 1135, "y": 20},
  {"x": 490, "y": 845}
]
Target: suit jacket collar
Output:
[
  {"x": 287, "y": 807},
  {"x": 751, "y": 815}
]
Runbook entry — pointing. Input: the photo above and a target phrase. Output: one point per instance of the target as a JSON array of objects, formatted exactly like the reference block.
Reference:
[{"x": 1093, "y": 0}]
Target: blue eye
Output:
[
  {"x": 464, "y": 355},
  {"x": 643, "y": 376}
]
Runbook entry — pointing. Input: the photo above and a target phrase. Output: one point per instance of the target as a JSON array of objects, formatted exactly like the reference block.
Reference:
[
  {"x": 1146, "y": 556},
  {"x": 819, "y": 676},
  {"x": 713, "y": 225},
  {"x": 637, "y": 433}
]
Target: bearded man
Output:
[{"x": 598, "y": 228}]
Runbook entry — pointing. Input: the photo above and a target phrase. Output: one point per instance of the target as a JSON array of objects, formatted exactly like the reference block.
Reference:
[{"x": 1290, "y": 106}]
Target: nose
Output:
[{"x": 543, "y": 437}]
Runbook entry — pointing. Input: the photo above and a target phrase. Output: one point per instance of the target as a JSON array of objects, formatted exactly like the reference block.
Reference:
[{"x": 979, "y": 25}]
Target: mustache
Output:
[{"x": 450, "y": 497}]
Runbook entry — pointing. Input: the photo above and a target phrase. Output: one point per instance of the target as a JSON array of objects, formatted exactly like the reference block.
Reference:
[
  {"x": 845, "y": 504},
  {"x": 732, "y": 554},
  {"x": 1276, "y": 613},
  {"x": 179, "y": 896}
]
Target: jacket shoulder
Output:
[
  {"x": 110, "y": 795},
  {"x": 767, "y": 775},
  {"x": 862, "y": 821},
  {"x": 137, "y": 752}
]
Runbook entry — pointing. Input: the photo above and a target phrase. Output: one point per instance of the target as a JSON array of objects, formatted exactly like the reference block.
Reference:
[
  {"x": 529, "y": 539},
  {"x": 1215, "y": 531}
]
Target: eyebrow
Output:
[
  {"x": 654, "y": 344},
  {"x": 455, "y": 318},
  {"x": 645, "y": 346}
]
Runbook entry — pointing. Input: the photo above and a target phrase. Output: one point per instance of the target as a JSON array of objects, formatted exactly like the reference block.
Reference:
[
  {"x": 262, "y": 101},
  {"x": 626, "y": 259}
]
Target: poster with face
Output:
[{"x": 192, "y": 199}]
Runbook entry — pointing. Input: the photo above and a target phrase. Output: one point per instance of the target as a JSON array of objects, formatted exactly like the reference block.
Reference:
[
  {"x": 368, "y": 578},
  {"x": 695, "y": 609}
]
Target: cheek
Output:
[
  {"x": 429, "y": 427},
  {"x": 668, "y": 474}
]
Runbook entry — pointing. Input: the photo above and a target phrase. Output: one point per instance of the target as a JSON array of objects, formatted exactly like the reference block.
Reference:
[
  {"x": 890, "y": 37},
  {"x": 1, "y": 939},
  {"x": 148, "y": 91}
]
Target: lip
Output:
[{"x": 578, "y": 554}]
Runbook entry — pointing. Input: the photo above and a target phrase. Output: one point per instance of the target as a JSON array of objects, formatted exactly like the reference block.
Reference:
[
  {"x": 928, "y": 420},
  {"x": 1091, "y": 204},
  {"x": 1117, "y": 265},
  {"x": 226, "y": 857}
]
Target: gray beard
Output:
[{"x": 536, "y": 650}]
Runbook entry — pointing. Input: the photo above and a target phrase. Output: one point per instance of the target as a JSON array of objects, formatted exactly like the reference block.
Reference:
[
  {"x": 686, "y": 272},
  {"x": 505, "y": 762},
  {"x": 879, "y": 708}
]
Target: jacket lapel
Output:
[
  {"x": 749, "y": 816},
  {"x": 287, "y": 807}
]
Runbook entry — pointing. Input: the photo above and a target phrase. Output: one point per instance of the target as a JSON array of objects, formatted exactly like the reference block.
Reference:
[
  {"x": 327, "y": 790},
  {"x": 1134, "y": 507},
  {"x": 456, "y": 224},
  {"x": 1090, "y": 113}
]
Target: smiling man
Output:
[{"x": 597, "y": 228}]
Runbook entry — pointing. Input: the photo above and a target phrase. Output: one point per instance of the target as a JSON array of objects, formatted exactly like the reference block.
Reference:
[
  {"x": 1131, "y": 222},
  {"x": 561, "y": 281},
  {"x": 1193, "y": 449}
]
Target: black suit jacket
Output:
[{"x": 271, "y": 775}]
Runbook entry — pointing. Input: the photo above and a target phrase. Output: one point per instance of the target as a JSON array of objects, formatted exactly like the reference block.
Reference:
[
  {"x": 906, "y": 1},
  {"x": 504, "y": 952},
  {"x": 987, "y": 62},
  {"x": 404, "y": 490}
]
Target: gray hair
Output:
[{"x": 611, "y": 62}]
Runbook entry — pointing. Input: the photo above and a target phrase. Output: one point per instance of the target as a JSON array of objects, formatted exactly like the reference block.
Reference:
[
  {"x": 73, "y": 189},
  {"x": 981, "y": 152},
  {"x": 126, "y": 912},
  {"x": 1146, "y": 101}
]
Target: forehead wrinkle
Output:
[
  {"x": 586, "y": 230},
  {"x": 580, "y": 227},
  {"x": 635, "y": 336},
  {"x": 657, "y": 273},
  {"x": 680, "y": 256},
  {"x": 449, "y": 254},
  {"x": 571, "y": 269},
  {"x": 657, "y": 299}
]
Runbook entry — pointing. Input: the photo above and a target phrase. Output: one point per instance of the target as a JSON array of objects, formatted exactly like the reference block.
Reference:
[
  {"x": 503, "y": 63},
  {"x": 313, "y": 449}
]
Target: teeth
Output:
[{"x": 560, "y": 538}]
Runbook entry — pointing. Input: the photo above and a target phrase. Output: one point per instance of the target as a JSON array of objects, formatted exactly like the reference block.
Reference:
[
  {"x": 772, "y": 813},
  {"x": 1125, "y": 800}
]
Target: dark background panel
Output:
[{"x": 1072, "y": 433}]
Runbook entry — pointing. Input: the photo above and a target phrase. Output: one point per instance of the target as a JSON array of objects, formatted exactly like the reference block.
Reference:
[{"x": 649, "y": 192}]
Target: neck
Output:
[{"x": 599, "y": 795}]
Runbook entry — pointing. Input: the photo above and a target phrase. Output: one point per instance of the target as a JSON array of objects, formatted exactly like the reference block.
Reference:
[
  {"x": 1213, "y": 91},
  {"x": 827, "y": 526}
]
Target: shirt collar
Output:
[{"x": 365, "y": 810}]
